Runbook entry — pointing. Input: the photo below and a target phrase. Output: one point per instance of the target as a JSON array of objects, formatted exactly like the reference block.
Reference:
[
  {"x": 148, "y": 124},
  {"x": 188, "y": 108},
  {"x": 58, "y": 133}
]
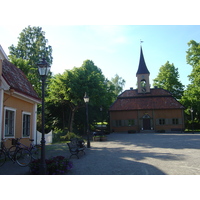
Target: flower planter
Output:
[
  {"x": 99, "y": 138},
  {"x": 54, "y": 166},
  {"x": 95, "y": 138},
  {"x": 103, "y": 138}
]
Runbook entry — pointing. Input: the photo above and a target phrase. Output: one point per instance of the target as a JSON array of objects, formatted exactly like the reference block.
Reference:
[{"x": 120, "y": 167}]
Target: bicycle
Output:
[
  {"x": 20, "y": 155},
  {"x": 34, "y": 149}
]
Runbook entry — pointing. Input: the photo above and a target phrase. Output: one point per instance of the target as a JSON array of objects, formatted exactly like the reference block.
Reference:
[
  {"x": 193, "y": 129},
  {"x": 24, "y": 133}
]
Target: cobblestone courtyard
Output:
[
  {"x": 142, "y": 154},
  {"x": 131, "y": 154}
]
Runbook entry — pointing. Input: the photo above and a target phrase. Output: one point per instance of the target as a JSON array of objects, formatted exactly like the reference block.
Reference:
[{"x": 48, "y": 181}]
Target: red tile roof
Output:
[
  {"x": 17, "y": 80},
  {"x": 156, "y": 99}
]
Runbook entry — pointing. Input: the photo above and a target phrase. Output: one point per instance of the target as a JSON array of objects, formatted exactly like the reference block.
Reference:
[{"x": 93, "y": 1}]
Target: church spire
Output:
[
  {"x": 142, "y": 68},
  {"x": 142, "y": 75}
]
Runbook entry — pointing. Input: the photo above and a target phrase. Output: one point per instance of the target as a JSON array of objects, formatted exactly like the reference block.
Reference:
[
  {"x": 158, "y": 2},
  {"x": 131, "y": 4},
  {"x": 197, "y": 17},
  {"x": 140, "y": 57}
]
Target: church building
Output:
[{"x": 146, "y": 109}]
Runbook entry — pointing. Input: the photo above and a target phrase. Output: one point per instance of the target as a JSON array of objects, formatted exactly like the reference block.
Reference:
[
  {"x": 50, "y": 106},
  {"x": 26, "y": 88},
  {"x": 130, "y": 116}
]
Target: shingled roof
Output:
[
  {"x": 142, "y": 68},
  {"x": 157, "y": 99},
  {"x": 17, "y": 80}
]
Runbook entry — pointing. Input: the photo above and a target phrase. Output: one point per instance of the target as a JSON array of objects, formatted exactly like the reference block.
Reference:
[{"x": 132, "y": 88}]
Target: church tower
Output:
[{"x": 142, "y": 75}]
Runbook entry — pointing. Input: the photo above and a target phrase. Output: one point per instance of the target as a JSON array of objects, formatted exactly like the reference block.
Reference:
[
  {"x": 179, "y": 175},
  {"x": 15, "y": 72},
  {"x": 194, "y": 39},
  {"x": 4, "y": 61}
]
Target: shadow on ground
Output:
[
  {"x": 158, "y": 140},
  {"x": 122, "y": 154},
  {"x": 109, "y": 161}
]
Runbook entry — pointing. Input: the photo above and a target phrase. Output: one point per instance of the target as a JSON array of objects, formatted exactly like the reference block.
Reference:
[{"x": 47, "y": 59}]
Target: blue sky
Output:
[{"x": 115, "y": 48}]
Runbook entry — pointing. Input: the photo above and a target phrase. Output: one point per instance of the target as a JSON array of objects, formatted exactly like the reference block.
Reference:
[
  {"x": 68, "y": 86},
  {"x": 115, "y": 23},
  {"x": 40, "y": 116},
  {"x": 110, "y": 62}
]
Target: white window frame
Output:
[
  {"x": 29, "y": 114},
  {"x": 14, "y": 122}
]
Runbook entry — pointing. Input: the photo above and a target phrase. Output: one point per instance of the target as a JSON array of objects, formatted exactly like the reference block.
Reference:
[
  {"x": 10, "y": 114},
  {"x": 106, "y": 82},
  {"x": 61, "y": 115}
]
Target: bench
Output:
[
  {"x": 75, "y": 146},
  {"x": 177, "y": 130}
]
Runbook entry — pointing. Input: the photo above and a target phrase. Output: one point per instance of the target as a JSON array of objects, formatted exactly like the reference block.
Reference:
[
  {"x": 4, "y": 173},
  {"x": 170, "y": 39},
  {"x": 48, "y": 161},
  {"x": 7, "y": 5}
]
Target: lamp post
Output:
[
  {"x": 86, "y": 100},
  {"x": 101, "y": 109},
  {"x": 192, "y": 120},
  {"x": 43, "y": 68}
]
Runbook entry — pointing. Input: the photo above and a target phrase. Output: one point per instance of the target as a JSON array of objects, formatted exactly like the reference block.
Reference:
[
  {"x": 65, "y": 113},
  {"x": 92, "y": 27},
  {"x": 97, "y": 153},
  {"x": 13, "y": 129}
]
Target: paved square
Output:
[
  {"x": 130, "y": 154},
  {"x": 141, "y": 154}
]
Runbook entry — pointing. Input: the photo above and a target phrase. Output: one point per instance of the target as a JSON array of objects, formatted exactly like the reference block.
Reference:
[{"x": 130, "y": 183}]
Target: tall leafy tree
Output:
[
  {"x": 69, "y": 89},
  {"x": 32, "y": 47},
  {"x": 21, "y": 64},
  {"x": 191, "y": 97},
  {"x": 168, "y": 79},
  {"x": 118, "y": 83}
]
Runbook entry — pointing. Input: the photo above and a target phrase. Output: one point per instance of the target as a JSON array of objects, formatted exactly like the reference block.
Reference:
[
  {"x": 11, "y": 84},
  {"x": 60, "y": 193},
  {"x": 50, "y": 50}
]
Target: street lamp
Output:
[
  {"x": 43, "y": 68},
  {"x": 86, "y": 100},
  {"x": 101, "y": 109},
  {"x": 192, "y": 120}
]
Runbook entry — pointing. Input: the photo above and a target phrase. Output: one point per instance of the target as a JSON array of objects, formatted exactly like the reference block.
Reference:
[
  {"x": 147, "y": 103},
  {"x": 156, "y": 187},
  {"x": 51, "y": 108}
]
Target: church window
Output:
[
  {"x": 174, "y": 121},
  {"x": 131, "y": 122},
  {"x": 118, "y": 123},
  {"x": 161, "y": 121}
]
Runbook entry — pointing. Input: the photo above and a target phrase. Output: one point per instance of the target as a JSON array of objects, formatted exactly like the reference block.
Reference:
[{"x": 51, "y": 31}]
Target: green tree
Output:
[
  {"x": 168, "y": 79},
  {"x": 21, "y": 64},
  {"x": 118, "y": 83},
  {"x": 69, "y": 89},
  {"x": 191, "y": 97},
  {"x": 32, "y": 47}
]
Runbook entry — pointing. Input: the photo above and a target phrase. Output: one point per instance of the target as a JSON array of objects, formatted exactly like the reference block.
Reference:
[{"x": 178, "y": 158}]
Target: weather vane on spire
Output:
[{"x": 141, "y": 42}]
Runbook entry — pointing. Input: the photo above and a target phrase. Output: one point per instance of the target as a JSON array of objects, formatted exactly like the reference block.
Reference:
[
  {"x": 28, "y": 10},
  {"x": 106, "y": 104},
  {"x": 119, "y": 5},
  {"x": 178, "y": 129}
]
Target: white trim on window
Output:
[
  {"x": 27, "y": 126},
  {"x": 9, "y": 124}
]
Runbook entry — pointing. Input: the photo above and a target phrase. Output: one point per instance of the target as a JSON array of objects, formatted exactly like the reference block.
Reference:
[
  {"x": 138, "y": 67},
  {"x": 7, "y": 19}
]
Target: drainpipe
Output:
[
  {"x": 34, "y": 123},
  {"x": 1, "y": 101}
]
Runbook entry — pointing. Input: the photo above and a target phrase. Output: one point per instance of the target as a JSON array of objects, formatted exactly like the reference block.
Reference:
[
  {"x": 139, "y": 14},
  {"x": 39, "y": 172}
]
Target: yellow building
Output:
[{"x": 18, "y": 103}]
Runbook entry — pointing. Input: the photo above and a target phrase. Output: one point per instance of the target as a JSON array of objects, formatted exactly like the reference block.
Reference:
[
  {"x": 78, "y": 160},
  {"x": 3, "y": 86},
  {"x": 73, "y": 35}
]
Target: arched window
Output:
[
  {"x": 146, "y": 116},
  {"x": 143, "y": 83}
]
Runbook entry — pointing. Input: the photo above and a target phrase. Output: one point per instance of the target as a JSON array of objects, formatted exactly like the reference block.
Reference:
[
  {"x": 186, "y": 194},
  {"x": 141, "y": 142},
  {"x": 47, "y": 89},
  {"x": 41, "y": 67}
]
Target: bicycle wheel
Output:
[
  {"x": 2, "y": 157},
  {"x": 23, "y": 157},
  {"x": 12, "y": 150},
  {"x": 35, "y": 152}
]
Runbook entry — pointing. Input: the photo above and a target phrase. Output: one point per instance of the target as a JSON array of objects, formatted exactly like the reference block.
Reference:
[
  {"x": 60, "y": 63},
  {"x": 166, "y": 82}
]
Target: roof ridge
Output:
[{"x": 3, "y": 52}]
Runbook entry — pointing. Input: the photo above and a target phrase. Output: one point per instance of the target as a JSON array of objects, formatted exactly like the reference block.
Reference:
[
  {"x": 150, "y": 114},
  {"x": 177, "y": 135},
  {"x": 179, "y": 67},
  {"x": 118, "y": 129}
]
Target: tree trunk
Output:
[
  {"x": 69, "y": 119},
  {"x": 72, "y": 120},
  {"x": 73, "y": 111},
  {"x": 63, "y": 116}
]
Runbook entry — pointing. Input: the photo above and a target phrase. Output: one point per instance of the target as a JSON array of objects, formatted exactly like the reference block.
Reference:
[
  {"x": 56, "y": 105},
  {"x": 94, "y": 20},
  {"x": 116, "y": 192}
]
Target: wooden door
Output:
[{"x": 147, "y": 124}]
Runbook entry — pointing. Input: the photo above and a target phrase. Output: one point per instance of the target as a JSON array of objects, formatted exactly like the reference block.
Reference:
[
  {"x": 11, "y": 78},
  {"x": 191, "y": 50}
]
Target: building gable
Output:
[{"x": 3, "y": 54}]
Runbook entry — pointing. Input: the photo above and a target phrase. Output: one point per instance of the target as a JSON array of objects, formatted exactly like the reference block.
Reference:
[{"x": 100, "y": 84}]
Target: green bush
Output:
[
  {"x": 69, "y": 136},
  {"x": 62, "y": 136}
]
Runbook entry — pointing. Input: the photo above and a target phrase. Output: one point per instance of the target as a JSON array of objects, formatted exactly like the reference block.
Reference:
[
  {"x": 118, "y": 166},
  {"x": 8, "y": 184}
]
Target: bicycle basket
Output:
[{"x": 14, "y": 141}]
